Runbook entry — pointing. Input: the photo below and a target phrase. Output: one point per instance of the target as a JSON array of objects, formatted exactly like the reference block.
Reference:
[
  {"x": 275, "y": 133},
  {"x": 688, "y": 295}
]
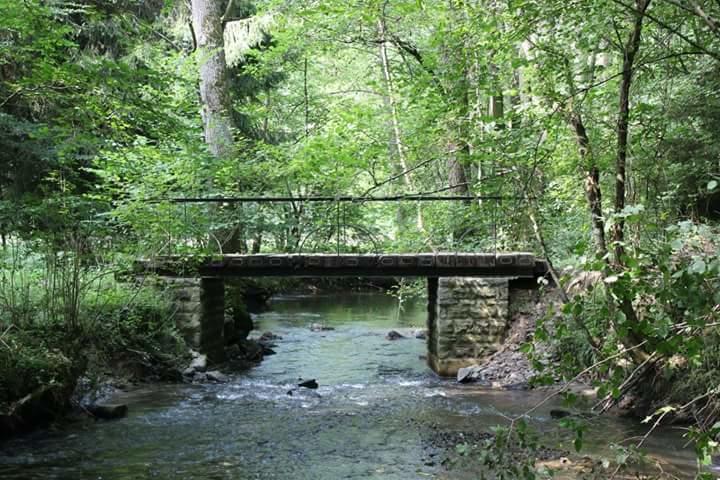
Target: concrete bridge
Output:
[{"x": 469, "y": 295}]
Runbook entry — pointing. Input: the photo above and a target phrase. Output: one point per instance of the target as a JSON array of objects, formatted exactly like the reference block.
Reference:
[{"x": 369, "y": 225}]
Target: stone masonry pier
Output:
[{"x": 467, "y": 321}]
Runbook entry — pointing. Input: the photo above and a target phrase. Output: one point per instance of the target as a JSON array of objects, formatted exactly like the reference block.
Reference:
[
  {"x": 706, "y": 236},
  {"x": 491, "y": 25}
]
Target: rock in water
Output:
[
  {"x": 558, "y": 414},
  {"x": 268, "y": 337},
  {"x": 319, "y": 327},
  {"x": 469, "y": 374},
  {"x": 393, "y": 335},
  {"x": 109, "y": 411},
  {"x": 199, "y": 364},
  {"x": 217, "y": 377},
  {"x": 233, "y": 351},
  {"x": 421, "y": 334},
  {"x": 251, "y": 350},
  {"x": 308, "y": 384}
]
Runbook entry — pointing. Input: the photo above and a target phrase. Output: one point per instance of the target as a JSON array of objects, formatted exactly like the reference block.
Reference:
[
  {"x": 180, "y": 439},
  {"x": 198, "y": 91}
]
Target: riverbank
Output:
[{"x": 124, "y": 335}]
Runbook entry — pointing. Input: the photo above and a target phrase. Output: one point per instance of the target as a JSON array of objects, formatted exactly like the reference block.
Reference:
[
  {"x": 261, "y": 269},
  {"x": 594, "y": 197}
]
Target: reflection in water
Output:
[{"x": 379, "y": 411}]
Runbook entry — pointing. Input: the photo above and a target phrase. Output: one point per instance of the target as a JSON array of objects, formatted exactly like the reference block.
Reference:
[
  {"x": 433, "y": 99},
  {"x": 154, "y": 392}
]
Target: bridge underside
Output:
[{"x": 518, "y": 265}]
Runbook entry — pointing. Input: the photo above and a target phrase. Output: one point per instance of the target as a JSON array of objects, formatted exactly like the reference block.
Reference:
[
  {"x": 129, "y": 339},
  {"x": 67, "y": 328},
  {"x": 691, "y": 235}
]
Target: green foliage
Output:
[
  {"x": 29, "y": 359},
  {"x": 510, "y": 452},
  {"x": 58, "y": 311},
  {"x": 673, "y": 285}
]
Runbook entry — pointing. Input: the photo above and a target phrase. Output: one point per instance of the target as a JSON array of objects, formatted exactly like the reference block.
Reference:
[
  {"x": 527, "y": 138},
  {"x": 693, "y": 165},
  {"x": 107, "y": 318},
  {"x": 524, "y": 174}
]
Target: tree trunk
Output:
[
  {"x": 632, "y": 339},
  {"x": 497, "y": 110},
  {"x": 457, "y": 179},
  {"x": 214, "y": 92},
  {"x": 592, "y": 184},
  {"x": 629, "y": 53},
  {"x": 215, "y": 104},
  {"x": 397, "y": 146}
]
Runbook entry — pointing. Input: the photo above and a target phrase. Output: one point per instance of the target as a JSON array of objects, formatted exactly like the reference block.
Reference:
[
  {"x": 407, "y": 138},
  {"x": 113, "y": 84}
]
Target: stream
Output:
[{"x": 379, "y": 413}]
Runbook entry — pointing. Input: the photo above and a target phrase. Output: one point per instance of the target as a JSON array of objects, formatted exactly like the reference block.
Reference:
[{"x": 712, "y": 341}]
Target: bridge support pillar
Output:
[
  {"x": 212, "y": 318},
  {"x": 467, "y": 321}
]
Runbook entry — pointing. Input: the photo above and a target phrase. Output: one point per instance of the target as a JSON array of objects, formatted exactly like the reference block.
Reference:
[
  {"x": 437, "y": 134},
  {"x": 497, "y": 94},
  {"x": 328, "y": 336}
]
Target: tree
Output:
[{"x": 207, "y": 23}]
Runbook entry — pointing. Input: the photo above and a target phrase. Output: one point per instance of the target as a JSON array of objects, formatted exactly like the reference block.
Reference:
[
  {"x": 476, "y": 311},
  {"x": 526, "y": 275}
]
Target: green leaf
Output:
[
  {"x": 698, "y": 266},
  {"x": 578, "y": 444}
]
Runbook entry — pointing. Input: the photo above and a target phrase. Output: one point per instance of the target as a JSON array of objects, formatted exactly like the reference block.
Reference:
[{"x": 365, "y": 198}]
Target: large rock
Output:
[
  {"x": 267, "y": 342},
  {"x": 470, "y": 374},
  {"x": 231, "y": 333},
  {"x": 251, "y": 350},
  {"x": 199, "y": 363},
  {"x": 217, "y": 377},
  {"x": 232, "y": 351}
]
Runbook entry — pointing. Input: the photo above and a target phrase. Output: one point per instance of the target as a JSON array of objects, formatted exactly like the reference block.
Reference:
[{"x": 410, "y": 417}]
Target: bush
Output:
[
  {"x": 60, "y": 312},
  {"x": 27, "y": 361}
]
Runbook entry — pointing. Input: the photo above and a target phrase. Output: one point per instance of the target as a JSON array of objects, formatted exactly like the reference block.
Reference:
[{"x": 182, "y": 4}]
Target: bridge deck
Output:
[{"x": 519, "y": 265}]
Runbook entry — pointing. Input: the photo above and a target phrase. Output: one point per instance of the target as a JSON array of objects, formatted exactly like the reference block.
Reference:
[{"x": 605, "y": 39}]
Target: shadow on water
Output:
[{"x": 379, "y": 411}]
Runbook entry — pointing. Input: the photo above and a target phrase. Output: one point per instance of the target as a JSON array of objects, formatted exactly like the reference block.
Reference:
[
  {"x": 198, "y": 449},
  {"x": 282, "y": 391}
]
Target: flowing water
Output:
[{"x": 379, "y": 412}]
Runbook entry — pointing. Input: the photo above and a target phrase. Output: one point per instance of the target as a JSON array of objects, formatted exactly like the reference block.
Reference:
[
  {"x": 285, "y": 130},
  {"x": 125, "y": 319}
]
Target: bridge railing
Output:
[{"x": 324, "y": 224}]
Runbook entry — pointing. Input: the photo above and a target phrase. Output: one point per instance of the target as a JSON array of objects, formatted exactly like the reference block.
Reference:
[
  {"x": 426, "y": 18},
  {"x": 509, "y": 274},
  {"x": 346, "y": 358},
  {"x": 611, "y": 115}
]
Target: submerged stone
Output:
[
  {"x": 309, "y": 384},
  {"x": 394, "y": 335},
  {"x": 269, "y": 336},
  {"x": 108, "y": 411},
  {"x": 319, "y": 327},
  {"x": 215, "y": 376}
]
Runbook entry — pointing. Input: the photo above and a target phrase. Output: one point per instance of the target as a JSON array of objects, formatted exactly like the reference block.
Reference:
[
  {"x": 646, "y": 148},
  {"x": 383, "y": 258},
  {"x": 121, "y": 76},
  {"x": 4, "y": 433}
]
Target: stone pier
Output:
[
  {"x": 212, "y": 326},
  {"x": 199, "y": 312},
  {"x": 467, "y": 321}
]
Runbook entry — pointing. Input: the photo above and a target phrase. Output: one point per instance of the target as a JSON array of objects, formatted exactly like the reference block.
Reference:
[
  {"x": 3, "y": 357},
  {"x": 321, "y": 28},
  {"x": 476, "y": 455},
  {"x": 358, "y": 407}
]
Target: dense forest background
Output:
[{"x": 584, "y": 131}]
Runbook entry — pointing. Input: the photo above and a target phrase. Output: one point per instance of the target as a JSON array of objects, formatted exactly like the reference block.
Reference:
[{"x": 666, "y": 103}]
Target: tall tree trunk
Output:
[
  {"x": 457, "y": 179},
  {"x": 592, "y": 184},
  {"x": 629, "y": 53},
  {"x": 397, "y": 145},
  {"x": 588, "y": 164},
  {"x": 214, "y": 91},
  {"x": 207, "y": 22},
  {"x": 496, "y": 108},
  {"x": 458, "y": 90}
]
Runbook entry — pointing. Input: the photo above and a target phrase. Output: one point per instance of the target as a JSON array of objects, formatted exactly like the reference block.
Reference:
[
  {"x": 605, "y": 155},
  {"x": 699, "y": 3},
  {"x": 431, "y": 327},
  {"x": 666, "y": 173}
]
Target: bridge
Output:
[
  {"x": 518, "y": 265},
  {"x": 470, "y": 295}
]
